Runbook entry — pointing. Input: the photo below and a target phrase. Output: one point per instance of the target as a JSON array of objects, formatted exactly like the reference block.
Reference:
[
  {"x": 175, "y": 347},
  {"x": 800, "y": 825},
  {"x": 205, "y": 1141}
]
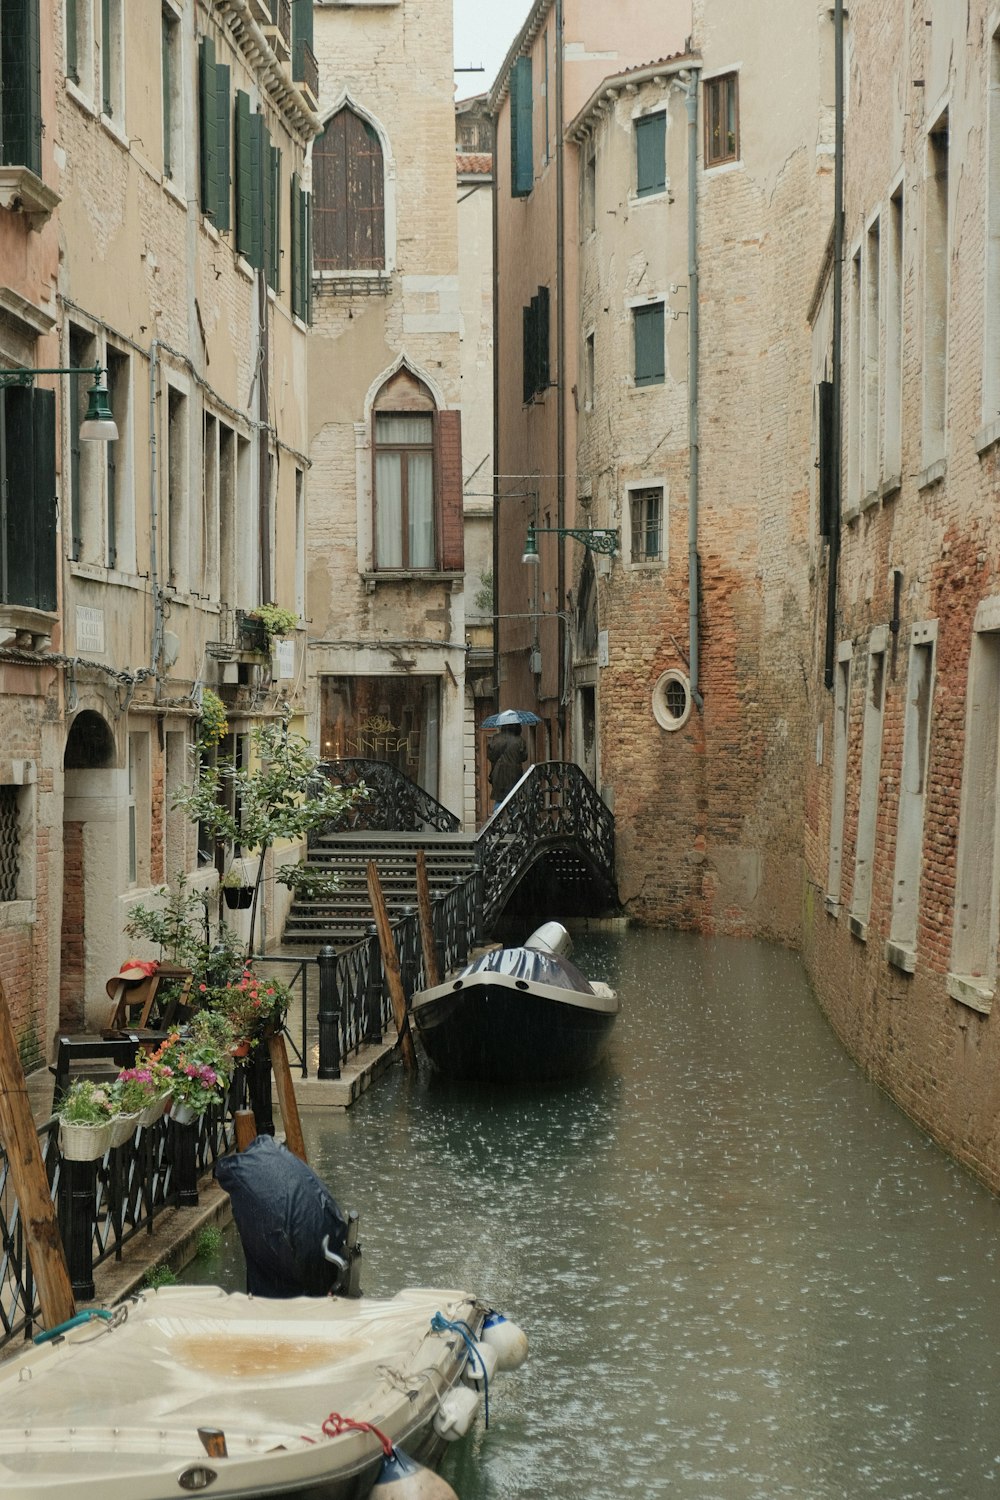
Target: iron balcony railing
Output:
[{"x": 393, "y": 802}]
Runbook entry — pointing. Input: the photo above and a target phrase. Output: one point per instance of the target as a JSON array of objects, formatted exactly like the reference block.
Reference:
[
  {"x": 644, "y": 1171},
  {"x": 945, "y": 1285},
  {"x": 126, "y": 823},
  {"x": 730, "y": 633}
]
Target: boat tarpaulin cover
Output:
[
  {"x": 283, "y": 1212},
  {"x": 532, "y": 965}
]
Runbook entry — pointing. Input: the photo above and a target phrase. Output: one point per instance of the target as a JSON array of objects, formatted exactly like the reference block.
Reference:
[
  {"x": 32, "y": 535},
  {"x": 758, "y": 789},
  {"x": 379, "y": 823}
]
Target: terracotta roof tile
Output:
[{"x": 474, "y": 162}]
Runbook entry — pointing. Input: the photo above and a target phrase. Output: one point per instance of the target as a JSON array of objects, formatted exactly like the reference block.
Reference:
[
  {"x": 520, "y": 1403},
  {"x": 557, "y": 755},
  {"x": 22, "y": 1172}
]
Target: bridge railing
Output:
[
  {"x": 393, "y": 804},
  {"x": 553, "y": 803}
]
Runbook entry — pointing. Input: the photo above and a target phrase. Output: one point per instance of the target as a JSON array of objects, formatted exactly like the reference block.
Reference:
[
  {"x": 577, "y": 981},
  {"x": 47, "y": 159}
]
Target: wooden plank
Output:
[
  {"x": 431, "y": 969},
  {"x": 30, "y": 1183},
  {"x": 390, "y": 960},
  {"x": 287, "y": 1102}
]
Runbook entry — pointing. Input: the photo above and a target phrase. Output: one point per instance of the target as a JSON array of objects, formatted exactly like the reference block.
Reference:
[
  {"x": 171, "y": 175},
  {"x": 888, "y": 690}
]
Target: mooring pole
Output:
[
  {"x": 390, "y": 963},
  {"x": 329, "y": 1013}
]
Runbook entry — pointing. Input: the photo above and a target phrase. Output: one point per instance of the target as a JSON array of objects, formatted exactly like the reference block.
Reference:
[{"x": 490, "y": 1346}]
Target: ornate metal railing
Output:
[
  {"x": 553, "y": 806},
  {"x": 116, "y": 1199},
  {"x": 393, "y": 804}
]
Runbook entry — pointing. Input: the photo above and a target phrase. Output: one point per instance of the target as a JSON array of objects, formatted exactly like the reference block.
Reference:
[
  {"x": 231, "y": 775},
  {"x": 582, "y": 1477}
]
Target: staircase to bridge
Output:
[{"x": 547, "y": 852}]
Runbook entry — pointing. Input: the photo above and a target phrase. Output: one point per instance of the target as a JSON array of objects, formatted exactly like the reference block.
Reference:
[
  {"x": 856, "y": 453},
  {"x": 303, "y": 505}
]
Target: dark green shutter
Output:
[
  {"x": 29, "y": 497},
  {"x": 542, "y": 338},
  {"x": 72, "y": 57},
  {"x": 295, "y": 223},
  {"x": 272, "y": 156},
  {"x": 207, "y": 130},
  {"x": 522, "y": 166},
  {"x": 307, "y": 256},
  {"x": 827, "y": 472},
  {"x": 106, "y": 55},
  {"x": 650, "y": 152},
  {"x": 649, "y": 353},
  {"x": 223, "y": 146},
  {"x": 249, "y": 182},
  {"x": 20, "y": 86},
  {"x": 302, "y": 35}
]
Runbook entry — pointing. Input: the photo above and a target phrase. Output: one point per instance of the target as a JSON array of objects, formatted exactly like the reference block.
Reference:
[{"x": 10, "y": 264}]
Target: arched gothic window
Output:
[{"x": 348, "y": 196}]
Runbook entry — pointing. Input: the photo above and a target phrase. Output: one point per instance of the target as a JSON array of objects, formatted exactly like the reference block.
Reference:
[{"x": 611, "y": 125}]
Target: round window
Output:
[{"x": 672, "y": 700}]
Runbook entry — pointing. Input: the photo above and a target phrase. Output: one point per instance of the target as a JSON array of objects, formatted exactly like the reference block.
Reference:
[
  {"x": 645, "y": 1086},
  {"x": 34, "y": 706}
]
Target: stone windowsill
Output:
[
  {"x": 971, "y": 990},
  {"x": 900, "y": 957},
  {"x": 890, "y": 487},
  {"x": 832, "y": 906},
  {"x": 857, "y": 928},
  {"x": 987, "y": 436},
  {"x": 870, "y": 499},
  {"x": 933, "y": 474},
  {"x": 16, "y": 914},
  {"x": 23, "y": 192}
]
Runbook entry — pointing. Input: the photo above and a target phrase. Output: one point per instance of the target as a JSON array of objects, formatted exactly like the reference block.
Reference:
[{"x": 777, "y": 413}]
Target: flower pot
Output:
[
  {"x": 124, "y": 1127},
  {"x": 239, "y": 1049},
  {"x": 152, "y": 1112},
  {"x": 84, "y": 1142},
  {"x": 183, "y": 1114},
  {"x": 238, "y": 897}
]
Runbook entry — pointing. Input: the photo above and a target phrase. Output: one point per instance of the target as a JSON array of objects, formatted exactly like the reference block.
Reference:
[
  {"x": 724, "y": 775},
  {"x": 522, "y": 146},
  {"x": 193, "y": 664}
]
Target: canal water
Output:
[{"x": 744, "y": 1274}]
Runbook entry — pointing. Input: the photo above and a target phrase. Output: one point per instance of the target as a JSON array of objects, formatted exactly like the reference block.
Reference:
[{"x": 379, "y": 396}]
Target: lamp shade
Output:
[
  {"x": 530, "y": 548},
  {"x": 99, "y": 425}
]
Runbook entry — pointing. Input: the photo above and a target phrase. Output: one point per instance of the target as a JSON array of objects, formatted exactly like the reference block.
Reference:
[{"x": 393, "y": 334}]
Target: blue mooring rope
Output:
[{"x": 440, "y": 1324}]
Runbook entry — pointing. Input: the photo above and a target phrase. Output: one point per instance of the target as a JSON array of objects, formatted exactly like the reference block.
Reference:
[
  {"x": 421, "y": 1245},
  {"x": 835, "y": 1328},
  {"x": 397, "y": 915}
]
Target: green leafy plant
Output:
[
  {"x": 275, "y": 620},
  {"x": 158, "y": 1276},
  {"x": 86, "y": 1103},
  {"x": 193, "y": 1070},
  {"x": 309, "y": 882},
  {"x": 182, "y": 930},
  {"x": 281, "y": 794},
  {"x": 483, "y": 597},
  {"x": 209, "y": 1242},
  {"x": 133, "y": 1090},
  {"x": 213, "y": 725},
  {"x": 253, "y": 1006}
]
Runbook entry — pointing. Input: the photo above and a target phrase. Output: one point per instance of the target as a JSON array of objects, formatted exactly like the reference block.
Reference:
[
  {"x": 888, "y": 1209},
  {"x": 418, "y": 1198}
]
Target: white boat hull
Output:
[{"x": 112, "y": 1413}]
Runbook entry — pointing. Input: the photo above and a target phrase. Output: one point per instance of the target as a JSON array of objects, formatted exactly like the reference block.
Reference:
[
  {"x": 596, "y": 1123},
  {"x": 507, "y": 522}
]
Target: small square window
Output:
[
  {"x": 646, "y": 518},
  {"x": 650, "y": 365},
  {"x": 722, "y": 120}
]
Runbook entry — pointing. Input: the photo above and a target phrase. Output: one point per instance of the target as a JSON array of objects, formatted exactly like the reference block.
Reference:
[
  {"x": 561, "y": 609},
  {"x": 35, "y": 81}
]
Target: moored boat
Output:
[
  {"x": 200, "y": 1389},
  {"x": 517, "y": 1015}
]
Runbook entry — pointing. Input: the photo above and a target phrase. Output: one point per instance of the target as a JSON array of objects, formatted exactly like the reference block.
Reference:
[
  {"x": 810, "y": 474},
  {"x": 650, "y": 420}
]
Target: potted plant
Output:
[
  {"x": 85, "y": 1128},
  {"x": 255, "y": 1007},
  {"x": 137, "y": 1089},
  {"x": 275, "y": 620},
  {"x": 237, "y": 890},
  {"x": 194, "y": 1072}
]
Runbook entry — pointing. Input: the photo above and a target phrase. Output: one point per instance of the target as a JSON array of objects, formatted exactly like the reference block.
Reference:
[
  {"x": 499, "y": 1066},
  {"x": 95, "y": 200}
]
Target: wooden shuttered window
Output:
[
  {"x": 449, "y": 468},
  {"x": 213, "y": 119},
  {"x": 522, "y": 165},
  {"x": 28, "y": 497},
  {"x": 650, "y": 367},
  {"x": 535, "y": 352},
  {"x": 650, "y": 155},
  {"x": 250, "y": 142},
  {"x": 272, "y": 214},
  {"x": 301, "y": 252},
  {"x": 20, "y": 86},
  {"x": 349, "y": 196}
]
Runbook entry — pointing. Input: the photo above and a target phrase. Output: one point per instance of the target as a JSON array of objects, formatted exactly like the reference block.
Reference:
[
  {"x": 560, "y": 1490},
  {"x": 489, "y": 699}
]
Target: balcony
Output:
[
  {"x": 278, "y": 29},
  {"x": 305, "y": 72}
]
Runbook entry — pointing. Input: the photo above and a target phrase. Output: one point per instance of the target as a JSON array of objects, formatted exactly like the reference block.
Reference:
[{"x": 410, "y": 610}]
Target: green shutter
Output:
[
  {"x": 106, "y": 55},
  {"x": 72, "y": 58},
  {"x": 649, "y": 353},
  {"x": 20, "y": 86},
  {"x": 207, "y": 133},
  {"x": 249, "y": 182},
  {"x": 307, "y": 256},
  {"x": 223, "y": 147},
  {"x": 272, "y": 157},
  {"x": 522, "y": 165},
  {"x": 295, "y": 222},
  {"x": 28, "y": 539},
  {"x": 650, "y": 153}
]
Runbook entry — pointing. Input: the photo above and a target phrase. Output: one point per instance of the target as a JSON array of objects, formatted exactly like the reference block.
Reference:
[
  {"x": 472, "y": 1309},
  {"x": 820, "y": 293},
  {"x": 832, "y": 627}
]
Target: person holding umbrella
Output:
[{"x": 507, "y": 752}]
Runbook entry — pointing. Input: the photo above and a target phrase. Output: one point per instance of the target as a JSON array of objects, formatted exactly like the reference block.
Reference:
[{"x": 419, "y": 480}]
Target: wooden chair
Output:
[{"x": 134, "y": 1001}]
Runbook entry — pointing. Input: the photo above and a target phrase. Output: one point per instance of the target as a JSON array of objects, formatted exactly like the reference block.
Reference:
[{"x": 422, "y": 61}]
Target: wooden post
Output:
[
  {"x": 390, "y": 960},
  {"x": 30, "y": 1183},
  {"x": 246, "y": 1128},
  {"x": 287, "y": 1102},
  {"x": 426, "y": 923}
]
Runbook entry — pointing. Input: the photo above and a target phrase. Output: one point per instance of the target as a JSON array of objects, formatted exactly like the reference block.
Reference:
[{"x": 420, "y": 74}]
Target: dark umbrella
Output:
[{"x": 511, "y": 716}]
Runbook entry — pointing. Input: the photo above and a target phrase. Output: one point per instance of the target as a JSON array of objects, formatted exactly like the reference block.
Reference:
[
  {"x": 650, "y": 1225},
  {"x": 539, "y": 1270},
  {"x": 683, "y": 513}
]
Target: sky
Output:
[{"x": 484, "y": 29}]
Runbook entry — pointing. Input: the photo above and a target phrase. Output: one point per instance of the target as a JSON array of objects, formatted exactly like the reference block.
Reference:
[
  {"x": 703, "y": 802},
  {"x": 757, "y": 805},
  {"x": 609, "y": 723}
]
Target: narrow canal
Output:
[{"x": 744, "y": 1274}]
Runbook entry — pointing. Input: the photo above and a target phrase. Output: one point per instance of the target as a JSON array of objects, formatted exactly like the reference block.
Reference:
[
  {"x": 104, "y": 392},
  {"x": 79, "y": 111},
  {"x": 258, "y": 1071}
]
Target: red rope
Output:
[{"x": 335, "y": 1424}]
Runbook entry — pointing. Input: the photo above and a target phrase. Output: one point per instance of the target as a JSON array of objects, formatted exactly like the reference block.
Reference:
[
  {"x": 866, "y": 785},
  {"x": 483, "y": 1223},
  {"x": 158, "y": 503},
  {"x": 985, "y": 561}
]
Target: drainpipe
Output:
[
  {"x": 838, "y": 279},
  {"x": 154, "y": 518},
  {"x": 561, "y": 356},
  {"x": 496, "y": 424},
  {"x": 694, "y": 452}
]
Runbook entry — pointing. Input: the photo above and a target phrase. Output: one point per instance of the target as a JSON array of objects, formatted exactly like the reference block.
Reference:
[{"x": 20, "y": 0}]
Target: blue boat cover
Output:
[
  {"x": 282, "y": 1211},
  {"x": 531, "y": 965}
]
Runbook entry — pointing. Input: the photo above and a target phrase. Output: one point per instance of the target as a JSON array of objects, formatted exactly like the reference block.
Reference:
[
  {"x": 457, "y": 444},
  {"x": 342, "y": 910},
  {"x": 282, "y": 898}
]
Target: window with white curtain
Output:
[{"x": 404, "y": 490}]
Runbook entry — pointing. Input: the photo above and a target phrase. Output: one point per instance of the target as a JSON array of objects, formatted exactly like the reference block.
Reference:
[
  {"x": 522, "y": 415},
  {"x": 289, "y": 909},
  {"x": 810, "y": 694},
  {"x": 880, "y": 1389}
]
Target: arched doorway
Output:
[{"x": 89, "y": 827}]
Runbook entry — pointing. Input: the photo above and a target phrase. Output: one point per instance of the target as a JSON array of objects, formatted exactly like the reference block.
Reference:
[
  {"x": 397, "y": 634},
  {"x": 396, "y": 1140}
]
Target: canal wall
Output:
[{"x": 902, "y": 813}]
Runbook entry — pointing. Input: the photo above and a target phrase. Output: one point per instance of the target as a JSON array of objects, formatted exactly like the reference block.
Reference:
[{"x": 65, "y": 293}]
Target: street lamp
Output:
[
  {"x": 601, "y": 540},
  {"x": 98, "y": 424}
]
